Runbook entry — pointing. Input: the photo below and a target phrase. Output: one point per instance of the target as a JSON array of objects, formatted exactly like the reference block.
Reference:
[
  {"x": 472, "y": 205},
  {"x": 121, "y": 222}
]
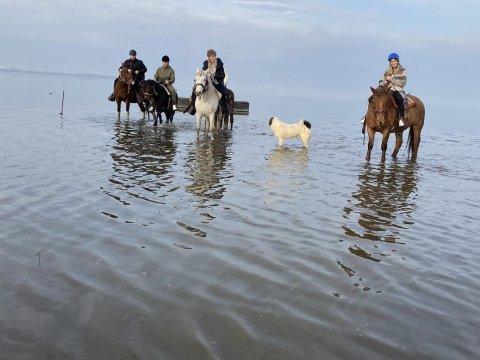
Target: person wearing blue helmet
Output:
[{"x": 396, "y": 77}]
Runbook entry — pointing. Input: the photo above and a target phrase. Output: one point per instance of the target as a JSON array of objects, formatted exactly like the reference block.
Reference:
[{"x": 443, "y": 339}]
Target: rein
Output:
[
  {"x": 204, "y": 87},
  {"x": 122, "y": 79}
]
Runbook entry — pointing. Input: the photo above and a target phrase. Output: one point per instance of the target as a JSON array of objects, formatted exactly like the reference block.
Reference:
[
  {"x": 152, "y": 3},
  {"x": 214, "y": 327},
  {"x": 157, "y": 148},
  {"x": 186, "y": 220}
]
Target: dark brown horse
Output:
[
  {"x": 124, "y": 90},
  {"x": 230, "y": 102},
  {"x": 382, "y": 116},
  {"x": 156, "y": 95}
]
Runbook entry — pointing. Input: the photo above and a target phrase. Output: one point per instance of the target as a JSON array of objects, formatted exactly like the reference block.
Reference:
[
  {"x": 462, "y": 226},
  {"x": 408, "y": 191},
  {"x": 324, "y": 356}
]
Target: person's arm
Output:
[
  {"x": 225, "y": 80},
  {"x": 400, "y": 79},
  {"x": 142, "y": 68},
  {"x": 385, "y": 75},
  {"x": 220, "y": 73},
  {"x": 205, "y": 65},
  {"x": 172, "y": 77}
]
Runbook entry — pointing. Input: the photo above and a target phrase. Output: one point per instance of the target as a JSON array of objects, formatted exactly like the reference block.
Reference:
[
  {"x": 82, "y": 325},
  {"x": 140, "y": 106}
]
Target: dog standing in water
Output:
[{"x": 284, "y": 131}]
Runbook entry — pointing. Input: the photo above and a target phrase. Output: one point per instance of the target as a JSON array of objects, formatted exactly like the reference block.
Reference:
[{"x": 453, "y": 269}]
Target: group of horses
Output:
[
  {"x": 381, "y": 116},
  {"x": 155, "y": 95}
]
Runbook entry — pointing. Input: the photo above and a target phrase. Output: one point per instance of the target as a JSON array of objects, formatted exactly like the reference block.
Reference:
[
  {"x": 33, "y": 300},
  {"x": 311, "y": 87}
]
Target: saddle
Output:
[
  {"x": 163, "y": 85},
  {"x": 410, "y": 103}
]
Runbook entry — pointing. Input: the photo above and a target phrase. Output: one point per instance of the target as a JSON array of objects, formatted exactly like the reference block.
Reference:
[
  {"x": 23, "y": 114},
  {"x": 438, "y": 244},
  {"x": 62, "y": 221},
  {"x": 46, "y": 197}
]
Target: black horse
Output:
[{"x": 156, "y": 96}]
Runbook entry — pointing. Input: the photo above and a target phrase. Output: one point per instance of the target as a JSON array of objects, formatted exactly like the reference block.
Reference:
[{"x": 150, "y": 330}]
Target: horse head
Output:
[
  {"x": 126, "y": 76},
  {"x": 148, "y": 88},
  {"x": 379, "y": 103},
  {"x": 201, "y": 82}
]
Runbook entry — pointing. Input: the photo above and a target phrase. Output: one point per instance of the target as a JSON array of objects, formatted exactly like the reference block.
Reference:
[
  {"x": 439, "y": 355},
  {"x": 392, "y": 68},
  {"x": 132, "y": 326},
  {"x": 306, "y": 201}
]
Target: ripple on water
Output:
[{"x": 122, "y": 240}]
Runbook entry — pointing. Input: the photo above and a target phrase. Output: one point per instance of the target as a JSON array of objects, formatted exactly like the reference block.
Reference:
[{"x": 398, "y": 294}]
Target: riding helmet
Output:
[
  {"x": 393, "y": 56},
  {"x": 165, "y": 58},
  {"x": 211, "y": 52},
  {"x": 132, "y": 52}
]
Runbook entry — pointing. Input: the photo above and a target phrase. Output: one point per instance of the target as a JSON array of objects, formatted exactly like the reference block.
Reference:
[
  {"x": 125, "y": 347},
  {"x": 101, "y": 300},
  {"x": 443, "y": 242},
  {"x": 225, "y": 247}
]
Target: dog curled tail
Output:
[{"x": 307, "y": 124}]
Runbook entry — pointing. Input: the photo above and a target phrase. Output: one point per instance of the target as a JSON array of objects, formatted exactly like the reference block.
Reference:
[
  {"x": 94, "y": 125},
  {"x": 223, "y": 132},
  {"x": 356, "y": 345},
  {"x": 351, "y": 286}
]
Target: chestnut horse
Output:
[
  {"x": 124, "y": 91},
  {"x": 382, "y": 116}
]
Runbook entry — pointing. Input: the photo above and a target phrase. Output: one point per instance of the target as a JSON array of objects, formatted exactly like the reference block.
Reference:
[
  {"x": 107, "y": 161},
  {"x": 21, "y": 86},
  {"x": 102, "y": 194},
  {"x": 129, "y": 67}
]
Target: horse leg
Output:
[
  {"x": 199, "y": 119},
  {"x": 416, "y": 142},
  {"x": 127, "y": 108},
  {"x": 385, "y": 137},
  {"x": 160, "y": 116},
  {"x": 371, "y": 139},
  {"x": 231, "y": 120},
  {"x": 210, "y": 124},
  {"x": 398, "y": 143},
  {"x": 119, "y": 107},
  {"x": 142, "y": 109}
]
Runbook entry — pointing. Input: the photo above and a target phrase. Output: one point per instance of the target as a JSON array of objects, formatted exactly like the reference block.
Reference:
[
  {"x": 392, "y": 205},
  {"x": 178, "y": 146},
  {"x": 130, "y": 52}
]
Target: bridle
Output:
[
  {"x": 125, "y": 81},
  {"x": 149, "y": 93},
  {"x": 385, "y": 109},
  {"x": 204, "y": 87}
]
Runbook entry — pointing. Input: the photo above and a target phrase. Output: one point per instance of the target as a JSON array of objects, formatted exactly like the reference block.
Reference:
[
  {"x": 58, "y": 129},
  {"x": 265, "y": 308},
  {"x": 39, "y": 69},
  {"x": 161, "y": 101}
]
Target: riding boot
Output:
[
  {"x": 112, "y": 95},
  {"x": 192, "y": 110}
]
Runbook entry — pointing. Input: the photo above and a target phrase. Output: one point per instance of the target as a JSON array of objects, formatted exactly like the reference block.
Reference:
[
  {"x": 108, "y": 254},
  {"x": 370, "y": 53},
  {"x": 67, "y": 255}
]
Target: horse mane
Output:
[{"x": 382, "y": 90}]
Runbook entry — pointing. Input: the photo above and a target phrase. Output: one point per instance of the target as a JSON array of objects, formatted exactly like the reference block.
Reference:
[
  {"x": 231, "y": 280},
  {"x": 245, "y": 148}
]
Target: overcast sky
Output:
[{"x": 275, "y": 51}]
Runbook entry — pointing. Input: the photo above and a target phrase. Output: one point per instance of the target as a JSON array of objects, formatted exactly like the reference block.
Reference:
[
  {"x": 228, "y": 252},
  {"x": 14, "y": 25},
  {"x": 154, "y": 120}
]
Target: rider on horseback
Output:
[
  {"x": 217, "y": 74},
  {"x": 396, "y": 77},
  {"x": 166, "y": 75},
  {"x": 138, "y": 70}
]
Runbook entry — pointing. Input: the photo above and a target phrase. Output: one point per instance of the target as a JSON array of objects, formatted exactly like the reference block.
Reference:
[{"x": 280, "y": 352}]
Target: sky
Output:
[{"x": 289, "y": 58}]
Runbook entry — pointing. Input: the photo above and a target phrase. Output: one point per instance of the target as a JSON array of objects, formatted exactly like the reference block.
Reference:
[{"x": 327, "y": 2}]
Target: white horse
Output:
[{"x": 207, "y": 100}]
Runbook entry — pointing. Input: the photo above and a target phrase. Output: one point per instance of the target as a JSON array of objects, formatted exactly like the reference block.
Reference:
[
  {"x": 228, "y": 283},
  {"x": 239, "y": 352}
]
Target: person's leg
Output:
[
  {"x": 173, "y": 94},
  {"x": 112, "y": 95},
  {"x": 191, "y": 108},
  {"x": 223, "y": 90},
  {"x": 401, "y": 108}
]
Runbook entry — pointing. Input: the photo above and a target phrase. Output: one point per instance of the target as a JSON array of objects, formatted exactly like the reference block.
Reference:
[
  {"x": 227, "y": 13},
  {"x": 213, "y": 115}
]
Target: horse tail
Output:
[{"x": 410, "y": 141}]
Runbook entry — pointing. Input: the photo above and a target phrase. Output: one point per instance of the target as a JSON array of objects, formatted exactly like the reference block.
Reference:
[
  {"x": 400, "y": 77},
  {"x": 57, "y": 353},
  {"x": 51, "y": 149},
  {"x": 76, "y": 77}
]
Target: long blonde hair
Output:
[{"x": 394, "y": 71}]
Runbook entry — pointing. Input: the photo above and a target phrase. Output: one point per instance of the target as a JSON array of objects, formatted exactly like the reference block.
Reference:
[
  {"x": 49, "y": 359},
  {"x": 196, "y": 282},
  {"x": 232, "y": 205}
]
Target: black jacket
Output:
[
  {"x": 219, "y": 73},
  {"x": 136, "y": 65}
]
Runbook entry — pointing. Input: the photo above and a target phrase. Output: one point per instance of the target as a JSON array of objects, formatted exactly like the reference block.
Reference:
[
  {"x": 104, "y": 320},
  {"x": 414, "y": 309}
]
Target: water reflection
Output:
[
  {"x": 383, "y": 202},
  {"x": 206, "y": 161},
  {"x": 379, "y": 210},
  {"x": 142, "y": 160},
  {"x": 287, "y": 160}
]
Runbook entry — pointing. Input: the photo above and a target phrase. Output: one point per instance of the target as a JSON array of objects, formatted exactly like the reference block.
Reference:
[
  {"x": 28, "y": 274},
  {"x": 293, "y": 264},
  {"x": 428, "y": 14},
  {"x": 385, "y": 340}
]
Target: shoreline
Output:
[{"x": 89, "y": 75}]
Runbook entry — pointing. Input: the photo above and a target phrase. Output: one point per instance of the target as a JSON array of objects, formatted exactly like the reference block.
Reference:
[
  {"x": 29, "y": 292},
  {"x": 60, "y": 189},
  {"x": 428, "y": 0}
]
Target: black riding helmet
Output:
[
  {"x": 165, "y": 58},
  {"x": 133, "y": 52}
]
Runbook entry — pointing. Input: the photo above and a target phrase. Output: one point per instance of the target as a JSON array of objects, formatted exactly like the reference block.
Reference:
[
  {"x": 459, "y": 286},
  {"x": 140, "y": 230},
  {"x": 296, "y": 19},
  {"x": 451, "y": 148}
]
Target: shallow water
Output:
[{"x": 122, "y": 241}]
